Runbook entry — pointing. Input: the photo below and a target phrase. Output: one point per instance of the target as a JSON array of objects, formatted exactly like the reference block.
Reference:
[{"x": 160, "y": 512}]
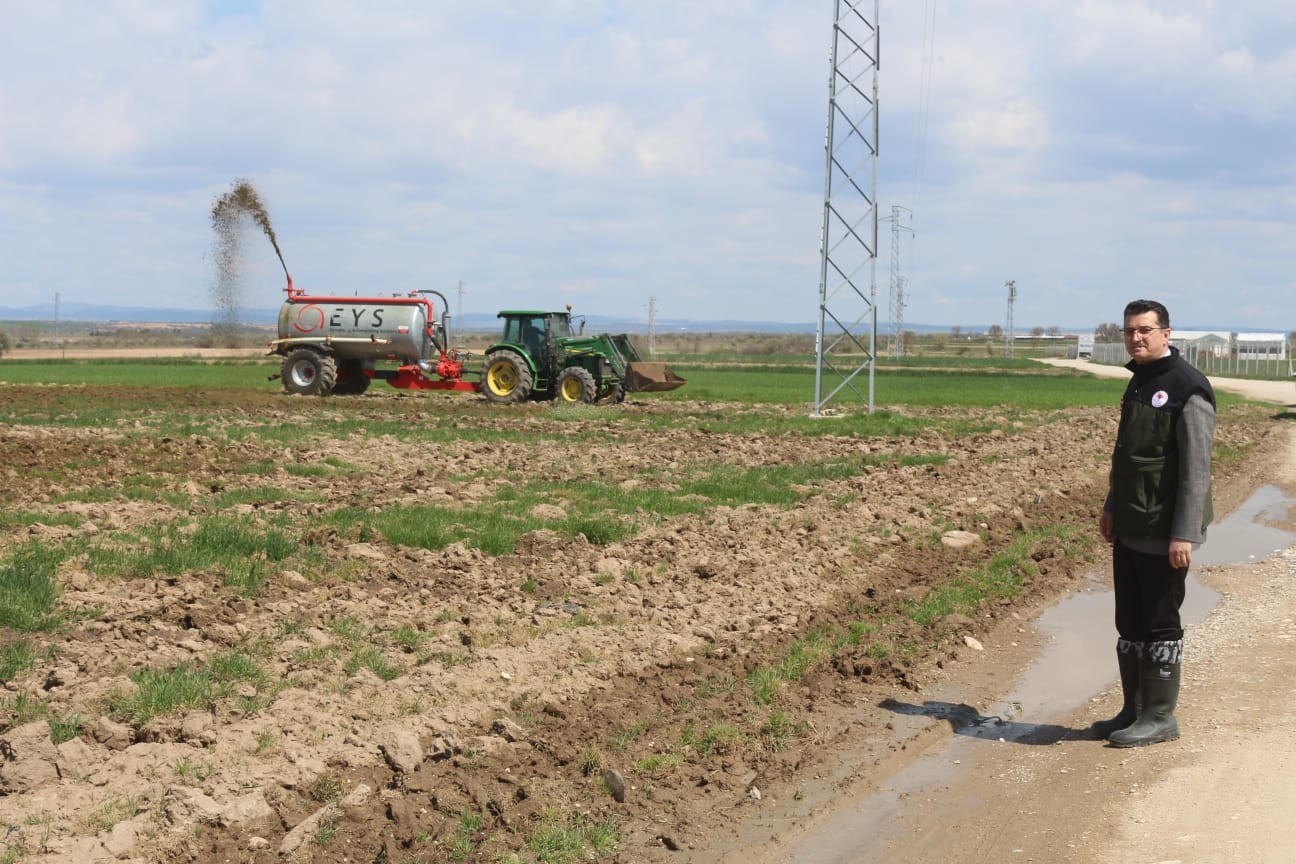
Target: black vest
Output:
[{"x": 1145, "y": 462}]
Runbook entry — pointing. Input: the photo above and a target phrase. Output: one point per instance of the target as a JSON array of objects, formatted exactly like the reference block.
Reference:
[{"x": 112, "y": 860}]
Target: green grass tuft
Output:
[
  {"x": 28, "y": 589},
  {"x": 14, "y": 658},
  {"x": 1002, "y": 578},
  {"x": 187, "y": 685},
  {"x": 572, "y": 839},
  {"x": 217, "y": 542}
]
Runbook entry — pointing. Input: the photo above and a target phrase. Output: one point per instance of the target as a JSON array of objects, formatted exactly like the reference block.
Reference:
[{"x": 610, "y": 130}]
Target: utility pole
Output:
[
  {"x": 897, "y": 281},
  {"x": 652, "y": 326},
  {"x": 58, "y": 328},
  {"x": 461, "y": 293},
  {"x": 1011, "y": 285}
]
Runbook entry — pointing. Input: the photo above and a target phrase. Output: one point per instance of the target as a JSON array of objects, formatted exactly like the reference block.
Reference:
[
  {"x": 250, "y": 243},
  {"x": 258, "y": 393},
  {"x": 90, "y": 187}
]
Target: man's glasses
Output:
[{"x": 1142, "y": 331}]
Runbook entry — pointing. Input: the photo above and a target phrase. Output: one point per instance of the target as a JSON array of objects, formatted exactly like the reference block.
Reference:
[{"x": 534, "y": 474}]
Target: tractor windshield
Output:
[{"x": 560, "y": 326}]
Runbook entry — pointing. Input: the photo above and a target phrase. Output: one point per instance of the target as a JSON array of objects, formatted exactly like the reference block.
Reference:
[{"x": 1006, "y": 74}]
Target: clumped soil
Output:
[{"x": 635, "y": 697}]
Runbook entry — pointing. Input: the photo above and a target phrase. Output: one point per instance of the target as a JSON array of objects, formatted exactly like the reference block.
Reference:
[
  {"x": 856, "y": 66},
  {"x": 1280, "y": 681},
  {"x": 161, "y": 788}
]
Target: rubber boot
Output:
[
  {"x": 1159, "y": 675},
  {"x": 1127, "y": 658}
]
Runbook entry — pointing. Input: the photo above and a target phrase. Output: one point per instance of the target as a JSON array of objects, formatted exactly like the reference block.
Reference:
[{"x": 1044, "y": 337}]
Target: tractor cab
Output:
[{"x": 536, "y": 332}]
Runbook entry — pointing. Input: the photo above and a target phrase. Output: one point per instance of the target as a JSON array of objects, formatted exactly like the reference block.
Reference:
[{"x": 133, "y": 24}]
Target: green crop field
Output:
[
  {"x": 971, "y": 382},
  {"x": 1028, "y": 386},
  {"x": 179, "y": 372},
  {"x": 927, "y": 382}
]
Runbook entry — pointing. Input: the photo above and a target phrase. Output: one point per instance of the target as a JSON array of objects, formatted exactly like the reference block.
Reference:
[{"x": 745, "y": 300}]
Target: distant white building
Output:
[
  {"x": 1262, "y": 346},
  {"x": 1209, "y": 343},
  {"x": 1218, "y": 343}
]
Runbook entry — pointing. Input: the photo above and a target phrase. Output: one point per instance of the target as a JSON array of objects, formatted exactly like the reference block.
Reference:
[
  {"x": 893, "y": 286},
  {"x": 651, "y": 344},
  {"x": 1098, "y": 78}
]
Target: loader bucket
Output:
[{"x": 648, "y": 377}]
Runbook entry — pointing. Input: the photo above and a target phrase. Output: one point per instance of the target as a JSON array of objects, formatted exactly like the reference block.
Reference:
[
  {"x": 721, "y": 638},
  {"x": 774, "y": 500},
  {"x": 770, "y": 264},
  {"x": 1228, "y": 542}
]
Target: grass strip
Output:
[
  {"x": 1002, "y": 578},
  {"x": 606, "y": 512},
  {"x": 186, "y": 685},
  {"x": 174, "y": 549}
]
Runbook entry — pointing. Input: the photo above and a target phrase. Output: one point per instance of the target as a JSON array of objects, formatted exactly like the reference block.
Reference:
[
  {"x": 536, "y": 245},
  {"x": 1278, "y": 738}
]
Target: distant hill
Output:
[
  {"x": 96, "y": 313},
  {"x": 105, "y": 314}
]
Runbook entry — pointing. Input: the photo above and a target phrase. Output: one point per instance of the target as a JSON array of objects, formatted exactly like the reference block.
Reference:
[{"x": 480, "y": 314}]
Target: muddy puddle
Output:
[
  {"x": 1077, "y": 632},
  {"x": 1252, "y": 532}
]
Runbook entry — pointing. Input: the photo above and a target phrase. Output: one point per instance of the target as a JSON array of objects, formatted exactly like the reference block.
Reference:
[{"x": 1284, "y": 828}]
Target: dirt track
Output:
[
  {"x": 1223, "y": 793},
  {"x": 1274, "y": 392},
  {"x": 520, "y": 678}
]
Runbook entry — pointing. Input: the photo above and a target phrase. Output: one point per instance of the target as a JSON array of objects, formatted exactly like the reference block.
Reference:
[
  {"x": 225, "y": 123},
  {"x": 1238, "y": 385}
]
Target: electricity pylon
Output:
[
  {"x": 898, "y": 282},
  {"x": 846, "y": 337}
]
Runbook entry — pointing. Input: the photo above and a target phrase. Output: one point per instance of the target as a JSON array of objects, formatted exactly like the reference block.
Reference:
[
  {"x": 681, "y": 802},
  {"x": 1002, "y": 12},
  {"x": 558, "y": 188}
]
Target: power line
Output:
[{"x": 924, "y": 99}]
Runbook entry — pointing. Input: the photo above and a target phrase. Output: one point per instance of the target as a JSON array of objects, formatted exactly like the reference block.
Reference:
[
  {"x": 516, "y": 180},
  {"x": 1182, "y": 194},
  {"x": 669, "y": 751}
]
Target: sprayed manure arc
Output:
[{"x": 227, "y": 216}]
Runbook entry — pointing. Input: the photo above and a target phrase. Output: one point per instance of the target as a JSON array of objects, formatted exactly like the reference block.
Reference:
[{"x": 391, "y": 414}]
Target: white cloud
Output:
[
  {"x": 610, "y": 149},
  {"x": 1264, "y": 90},
  {"x": 1137, "y": 39},
  {"x": 1018, "y": 127}
]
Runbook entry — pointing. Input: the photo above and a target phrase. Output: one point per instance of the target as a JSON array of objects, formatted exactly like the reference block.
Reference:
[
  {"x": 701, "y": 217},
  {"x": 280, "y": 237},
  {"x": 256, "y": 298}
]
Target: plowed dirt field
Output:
[{"x": 627, "y": 681}]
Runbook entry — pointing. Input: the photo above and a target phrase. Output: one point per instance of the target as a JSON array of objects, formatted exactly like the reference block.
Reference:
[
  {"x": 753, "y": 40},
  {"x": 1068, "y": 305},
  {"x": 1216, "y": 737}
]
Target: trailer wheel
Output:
[
  {"x": 506, "y": 378},
  {"x": 352, "y": 380},
  {"x": 308, "y": 373},
  {"x": 574, "y": 385}
]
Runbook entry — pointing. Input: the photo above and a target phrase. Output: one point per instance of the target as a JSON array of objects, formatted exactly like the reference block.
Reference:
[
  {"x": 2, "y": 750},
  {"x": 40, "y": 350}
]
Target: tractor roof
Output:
[{"x": 533, "y": 312}]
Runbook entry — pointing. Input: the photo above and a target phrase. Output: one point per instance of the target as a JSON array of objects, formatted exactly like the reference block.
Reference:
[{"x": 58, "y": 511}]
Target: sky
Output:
[{"x": 669, "y": 154}]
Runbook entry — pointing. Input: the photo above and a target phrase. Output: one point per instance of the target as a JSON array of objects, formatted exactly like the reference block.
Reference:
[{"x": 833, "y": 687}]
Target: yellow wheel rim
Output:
[
  {"x": 502, "y": 378},
  {"x": 571, "y": 390}
]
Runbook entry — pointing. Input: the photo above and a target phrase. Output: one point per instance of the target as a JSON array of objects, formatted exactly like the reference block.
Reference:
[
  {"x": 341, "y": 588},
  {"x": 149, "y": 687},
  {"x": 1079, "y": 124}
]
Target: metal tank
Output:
[{"x": 359, "y": 328}]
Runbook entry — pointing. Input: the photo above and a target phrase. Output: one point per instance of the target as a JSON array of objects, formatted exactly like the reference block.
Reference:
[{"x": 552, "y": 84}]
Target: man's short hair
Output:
[{"x": 1138, "y": 307}]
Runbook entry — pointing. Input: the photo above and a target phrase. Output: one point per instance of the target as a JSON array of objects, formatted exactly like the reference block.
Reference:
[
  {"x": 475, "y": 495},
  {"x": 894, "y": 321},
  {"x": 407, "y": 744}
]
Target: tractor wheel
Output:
[
  {"x": 352, "y": 380},
  {"x": 575, "y": 384},
  {"x": 614, "y": 395},
  {"x": 308, "y": 373},
  {"x": 506, "y": 378}
]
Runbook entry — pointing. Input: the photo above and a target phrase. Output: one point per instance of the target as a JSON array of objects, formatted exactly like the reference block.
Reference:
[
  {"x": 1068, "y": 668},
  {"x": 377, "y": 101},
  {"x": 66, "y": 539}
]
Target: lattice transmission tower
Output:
[
  {"x": 652, "y": 326},
  {"x": 898, "y": 281},
  {"x": 846, "y": 337},
  {"x": 1011, "y": 285}
]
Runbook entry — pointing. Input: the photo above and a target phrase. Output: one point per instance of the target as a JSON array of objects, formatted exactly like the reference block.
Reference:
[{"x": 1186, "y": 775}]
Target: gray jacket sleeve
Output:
[{"x": 1195, "y": 433}]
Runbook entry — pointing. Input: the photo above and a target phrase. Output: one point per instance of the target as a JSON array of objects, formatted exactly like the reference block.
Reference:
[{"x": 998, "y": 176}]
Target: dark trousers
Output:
[{"x": 1149, "y": 593}]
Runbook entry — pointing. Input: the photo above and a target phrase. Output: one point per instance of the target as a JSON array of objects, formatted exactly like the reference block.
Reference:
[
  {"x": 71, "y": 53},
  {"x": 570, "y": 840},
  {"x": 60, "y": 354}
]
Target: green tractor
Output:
[{"x": 539, "y": 357}]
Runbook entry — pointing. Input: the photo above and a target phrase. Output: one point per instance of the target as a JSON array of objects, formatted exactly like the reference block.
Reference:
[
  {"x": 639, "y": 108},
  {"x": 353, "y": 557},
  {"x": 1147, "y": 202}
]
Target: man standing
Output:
[{"x": 1157, "y": 509}]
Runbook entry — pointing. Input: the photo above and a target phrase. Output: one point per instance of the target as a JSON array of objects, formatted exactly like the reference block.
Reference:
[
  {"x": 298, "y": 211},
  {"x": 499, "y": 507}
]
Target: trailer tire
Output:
[
  {"x": 506, "y": 378},
  {"x": 352, "y": 380},
  {"x": 308, "y": 373},
  {"x": 575, "y": 385}
]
